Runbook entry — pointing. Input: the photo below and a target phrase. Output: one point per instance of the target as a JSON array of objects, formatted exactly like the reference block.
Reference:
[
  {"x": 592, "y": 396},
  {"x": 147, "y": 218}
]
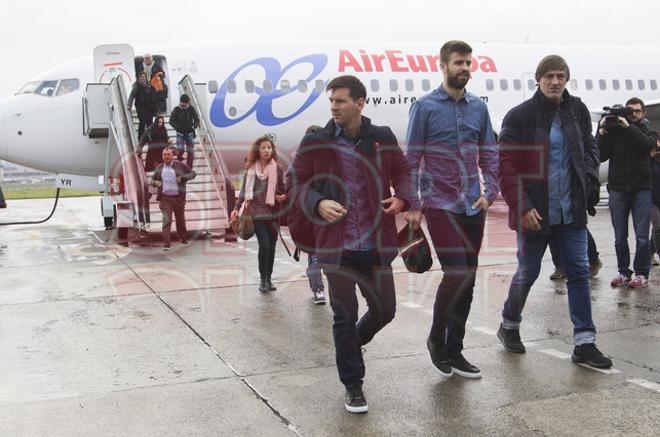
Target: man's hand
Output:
[
  {"x": 179, "y": 179},
  {"x": 414, "y": 218},
  {"x": 330, "y": 210},
  {"x": 280, "y": 198},
  {"x": 481, "y": 203},
  {"x": 623, "y": 122},
  {"x": 157, "y": 184},
  {"x": 234, "y": 216},
  {"x": 531, "y": 219},
  {"x": 395, "y": 205}
]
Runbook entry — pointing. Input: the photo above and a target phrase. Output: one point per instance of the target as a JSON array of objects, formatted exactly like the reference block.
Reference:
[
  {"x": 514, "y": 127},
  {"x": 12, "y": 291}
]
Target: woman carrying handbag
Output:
[{"x": 262, "y": 190}]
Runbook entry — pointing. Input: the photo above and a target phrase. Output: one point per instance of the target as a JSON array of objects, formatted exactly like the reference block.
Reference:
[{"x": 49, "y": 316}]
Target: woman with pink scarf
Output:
[{"x": 263, "y": 189}]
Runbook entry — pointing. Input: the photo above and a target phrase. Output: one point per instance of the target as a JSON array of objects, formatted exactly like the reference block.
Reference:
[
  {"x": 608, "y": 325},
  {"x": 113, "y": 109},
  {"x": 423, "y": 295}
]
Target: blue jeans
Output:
[
  {"x": 572, "y": 244},
  {"x": 314, "y": 273},
  {"x": 187, "y": 140},
  {"x": 621, "y": 204}
]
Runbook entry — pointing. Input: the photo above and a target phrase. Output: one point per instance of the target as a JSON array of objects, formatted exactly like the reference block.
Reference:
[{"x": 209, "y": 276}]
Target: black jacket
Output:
[
  {"x": 142, "y": 95},
  {"x": 628, "y": 151},
  {"x": 184, "y": 121},
  {"x": 524, "y": 145},
  {"x": 155, "y": 68},
  {"x": 655, "y": 170}
]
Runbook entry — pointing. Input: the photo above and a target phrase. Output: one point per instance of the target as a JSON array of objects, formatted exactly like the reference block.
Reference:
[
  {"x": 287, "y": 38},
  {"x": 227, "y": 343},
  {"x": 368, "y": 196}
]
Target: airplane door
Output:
[
  {"x": 111, "y": 60},
  {"x": 528, "y": 85}
]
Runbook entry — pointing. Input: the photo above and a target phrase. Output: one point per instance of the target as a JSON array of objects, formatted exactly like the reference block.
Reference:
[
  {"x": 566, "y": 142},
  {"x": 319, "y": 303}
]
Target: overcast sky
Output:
[{"x": 39, "y": 34}]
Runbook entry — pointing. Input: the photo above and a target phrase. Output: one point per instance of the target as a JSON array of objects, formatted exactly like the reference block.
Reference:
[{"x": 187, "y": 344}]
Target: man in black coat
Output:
[
  {"x": 548, "y": 168},
  {"x": 627, "y": 142},
  {"x": 142, "y": 94},
  {"x": 184, "y": 120}
]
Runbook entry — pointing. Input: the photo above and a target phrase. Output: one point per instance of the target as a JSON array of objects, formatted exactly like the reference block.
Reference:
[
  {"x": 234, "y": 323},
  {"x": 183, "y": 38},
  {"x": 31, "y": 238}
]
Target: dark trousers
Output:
[
  {"x": 622, "y": 204},
  {"x": 145, "y": 119},
  {"x": 457, "y": 241},
  {"x": 173, "y": 206},
  {"x": 592, "y": 251},
  {"x": 266, "y": 232},
  {"x": 374, "y": 277}
]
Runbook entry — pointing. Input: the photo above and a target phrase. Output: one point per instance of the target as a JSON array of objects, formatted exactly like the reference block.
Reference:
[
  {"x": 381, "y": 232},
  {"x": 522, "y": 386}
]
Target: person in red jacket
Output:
[{"x": 341, "y": 180}]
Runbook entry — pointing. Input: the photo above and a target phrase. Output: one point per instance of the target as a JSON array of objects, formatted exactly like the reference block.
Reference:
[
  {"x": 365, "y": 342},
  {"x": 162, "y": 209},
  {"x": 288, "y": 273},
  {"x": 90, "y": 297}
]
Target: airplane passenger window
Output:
[
  {"x": 249, "y": 86},
  {"x": 231, "y": 86},
  {"x": 573, "y": 84},
  {"x": 628, "y": 84},
  {"x": 426, "y": 84},
  {"x": 504, "y": 84},
  {"x": 46, "y": 88},
  {"x": 375, "y": 85},
  {"x": 285, "y": 86},
  {"x": 319, "y": 85},
  {"x": 394, "y": 85},
  {"x": 409, "y": 85},
  {"x": 517, "y": 84},
  {"x": 302, "y": 86},
  {"x": 602, "y": 84},
  {"x": 268, "y": 86},
  {"x": 654, "y": 84},
  {"x": 489, "y": 84},
  {"x": 531, "y": 84},
  {"x": 67, "y": 86},
  {"x": 616, "y": 84},
  {"x": 589, "y": 84},
  {"x": 641, "y": 84}
]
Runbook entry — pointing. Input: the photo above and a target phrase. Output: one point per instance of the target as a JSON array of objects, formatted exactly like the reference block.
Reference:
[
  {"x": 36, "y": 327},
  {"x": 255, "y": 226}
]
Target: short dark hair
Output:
[
  {"x": 142, "y": 73},
  {"x": 312, "y": 129},
  {"x": 636, "y": 101},
  {"x": 454, "y": 46},
  {"x": 185, "y": 98},
  {"x": 549, "y": 63},
  {"x": 357, "y": 90}
]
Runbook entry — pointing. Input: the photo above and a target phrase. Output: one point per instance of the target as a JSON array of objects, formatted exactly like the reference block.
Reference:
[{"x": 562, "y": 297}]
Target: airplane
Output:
[{"x": 278, "y": 88}]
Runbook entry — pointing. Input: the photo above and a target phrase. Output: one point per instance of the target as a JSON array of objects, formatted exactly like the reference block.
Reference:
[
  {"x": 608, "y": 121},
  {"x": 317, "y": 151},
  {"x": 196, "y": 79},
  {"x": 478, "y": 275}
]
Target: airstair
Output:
[{"x": 129, "y": 201}]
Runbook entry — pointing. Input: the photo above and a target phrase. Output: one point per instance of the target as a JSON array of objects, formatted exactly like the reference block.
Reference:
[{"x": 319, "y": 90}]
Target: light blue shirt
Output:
[
  {"x": 559, "y": 176},
  {"x": 170, "y": 187},
  {"x": 454, "y": 139}
]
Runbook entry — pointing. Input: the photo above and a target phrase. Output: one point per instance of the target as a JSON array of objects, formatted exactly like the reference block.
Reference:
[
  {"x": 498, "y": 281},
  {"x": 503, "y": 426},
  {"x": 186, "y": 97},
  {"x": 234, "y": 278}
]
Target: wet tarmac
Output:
[{"x": 101, "y": 339}]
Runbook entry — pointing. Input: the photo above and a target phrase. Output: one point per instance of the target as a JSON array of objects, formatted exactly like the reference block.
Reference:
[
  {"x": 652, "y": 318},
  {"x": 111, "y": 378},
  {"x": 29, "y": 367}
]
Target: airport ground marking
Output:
[{"x": 646, "y": 384}]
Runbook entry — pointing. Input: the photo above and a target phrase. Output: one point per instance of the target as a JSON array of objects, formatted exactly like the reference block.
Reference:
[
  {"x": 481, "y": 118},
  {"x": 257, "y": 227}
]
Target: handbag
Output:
[
  {"x": 243, "y": 226},
  {"x": 414, "y": 249}
]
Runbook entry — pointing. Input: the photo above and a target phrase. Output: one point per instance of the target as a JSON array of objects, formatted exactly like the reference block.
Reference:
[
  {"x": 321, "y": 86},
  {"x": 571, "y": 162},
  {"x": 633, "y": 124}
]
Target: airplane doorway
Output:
[{"x": 162, "y": 61}]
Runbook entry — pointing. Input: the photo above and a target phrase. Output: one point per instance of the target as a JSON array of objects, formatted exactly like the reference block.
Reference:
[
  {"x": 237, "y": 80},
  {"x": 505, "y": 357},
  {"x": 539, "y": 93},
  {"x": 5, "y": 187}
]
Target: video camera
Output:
[{"x": 612, "y": 114}]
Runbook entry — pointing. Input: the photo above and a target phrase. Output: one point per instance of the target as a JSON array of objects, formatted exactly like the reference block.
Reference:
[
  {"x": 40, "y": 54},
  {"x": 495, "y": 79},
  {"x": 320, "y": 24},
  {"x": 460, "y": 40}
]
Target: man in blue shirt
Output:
[{"x": 450, "y": 130}]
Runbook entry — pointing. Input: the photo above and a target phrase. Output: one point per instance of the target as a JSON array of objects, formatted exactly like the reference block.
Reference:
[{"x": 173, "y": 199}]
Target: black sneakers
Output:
[
  {"x": 439, "y": 358},
  {"x": 354, "y": 400},
  {"x": 271, "y": 287},
  {"x": 590, "y": 355},
  {"x": 510, "y": 338},
  {"x": 263, "y": 285},
  {"x": 462, "y": 367}
]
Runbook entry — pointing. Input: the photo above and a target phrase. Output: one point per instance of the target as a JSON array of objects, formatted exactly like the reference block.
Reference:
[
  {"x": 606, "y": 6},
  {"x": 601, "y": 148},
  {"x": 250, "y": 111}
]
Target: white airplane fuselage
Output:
[{"x": 279, "y": 88}]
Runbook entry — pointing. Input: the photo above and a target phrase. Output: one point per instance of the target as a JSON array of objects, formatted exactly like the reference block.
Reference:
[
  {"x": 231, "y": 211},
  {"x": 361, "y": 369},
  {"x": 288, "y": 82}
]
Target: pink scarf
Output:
[{"x": 270, "y": 173}]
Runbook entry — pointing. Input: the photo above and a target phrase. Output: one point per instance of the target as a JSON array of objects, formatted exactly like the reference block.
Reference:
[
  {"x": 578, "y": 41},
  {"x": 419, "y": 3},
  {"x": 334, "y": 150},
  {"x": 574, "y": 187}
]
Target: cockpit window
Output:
[
  {"x": 67, "y": 86},
  {"x": 48, "y": 87}
]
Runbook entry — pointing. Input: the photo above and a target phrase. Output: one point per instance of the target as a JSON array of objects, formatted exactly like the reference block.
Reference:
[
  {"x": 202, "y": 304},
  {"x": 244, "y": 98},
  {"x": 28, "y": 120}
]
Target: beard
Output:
[{"x": 457, "y": 82}]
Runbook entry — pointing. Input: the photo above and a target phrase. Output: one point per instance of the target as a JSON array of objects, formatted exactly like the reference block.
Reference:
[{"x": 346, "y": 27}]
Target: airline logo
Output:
[{"x": 390, "y": 61}]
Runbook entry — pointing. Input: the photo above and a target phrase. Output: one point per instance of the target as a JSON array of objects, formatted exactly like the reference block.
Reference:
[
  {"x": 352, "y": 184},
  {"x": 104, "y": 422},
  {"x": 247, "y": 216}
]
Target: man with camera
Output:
[{"x": 625, "y": 139}]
